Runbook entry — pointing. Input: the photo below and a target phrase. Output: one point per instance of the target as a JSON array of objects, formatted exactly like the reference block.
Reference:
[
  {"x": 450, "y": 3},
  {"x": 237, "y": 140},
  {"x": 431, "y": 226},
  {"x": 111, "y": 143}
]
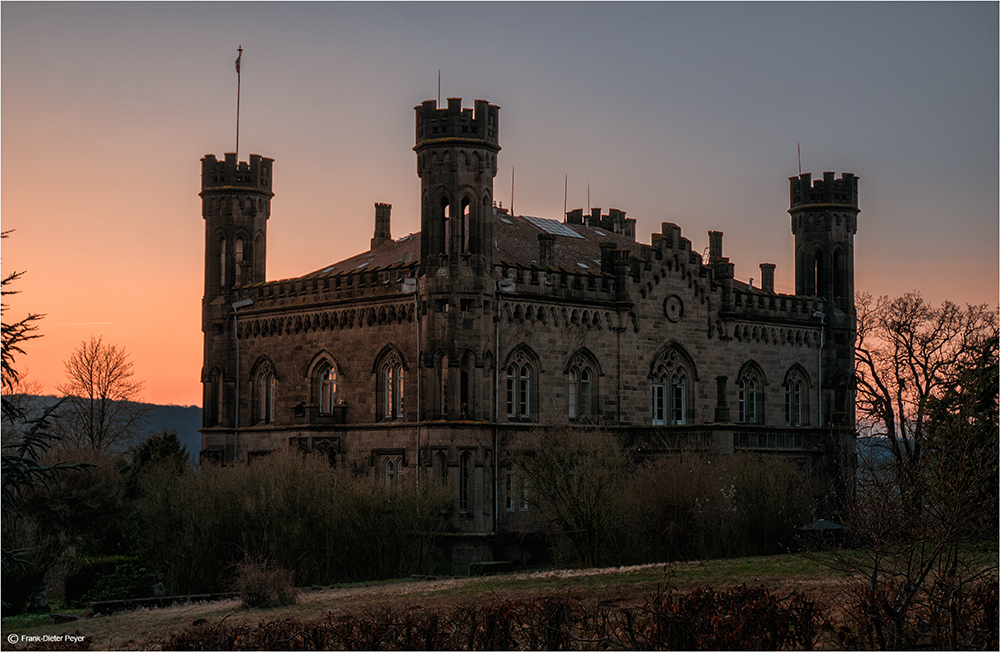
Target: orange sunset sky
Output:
[{"x": 688, "y": 113}]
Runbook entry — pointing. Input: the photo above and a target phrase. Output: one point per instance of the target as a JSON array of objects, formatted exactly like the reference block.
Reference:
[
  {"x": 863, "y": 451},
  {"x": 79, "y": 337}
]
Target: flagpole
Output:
[{"x": 240, "y": 56}]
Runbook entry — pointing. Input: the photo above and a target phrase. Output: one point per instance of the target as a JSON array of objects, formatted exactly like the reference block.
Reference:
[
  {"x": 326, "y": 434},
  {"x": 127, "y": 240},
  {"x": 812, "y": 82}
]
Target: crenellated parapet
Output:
[
  {"x": 479, "y": 126},
  {"x": 230, "y": 175},
  {"x": 378, "y": 283},
  {"x": 804, "y": 192}
]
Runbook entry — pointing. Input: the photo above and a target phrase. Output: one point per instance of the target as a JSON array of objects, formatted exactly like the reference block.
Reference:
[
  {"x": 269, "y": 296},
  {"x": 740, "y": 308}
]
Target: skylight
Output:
[{"x": 553, "y": 227}]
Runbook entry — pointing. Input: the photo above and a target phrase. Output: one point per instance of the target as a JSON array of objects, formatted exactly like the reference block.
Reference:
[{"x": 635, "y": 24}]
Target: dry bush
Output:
[
  {"x": 322, "y": 523},
  {"x": 263, "y": 585},
  {"x": 694, "y": 505},
  {"x": 740, "y": 618}
]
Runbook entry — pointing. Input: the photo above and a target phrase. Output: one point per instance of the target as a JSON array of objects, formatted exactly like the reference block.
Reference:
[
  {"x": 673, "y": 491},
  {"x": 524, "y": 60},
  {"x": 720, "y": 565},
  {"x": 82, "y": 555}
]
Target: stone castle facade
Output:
[{"x": 419, "y": 358}]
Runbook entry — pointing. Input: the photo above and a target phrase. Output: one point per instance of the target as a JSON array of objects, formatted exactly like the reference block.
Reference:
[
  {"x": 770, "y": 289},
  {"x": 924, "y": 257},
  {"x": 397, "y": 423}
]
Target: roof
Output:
[{"x": 577, "y": 248}]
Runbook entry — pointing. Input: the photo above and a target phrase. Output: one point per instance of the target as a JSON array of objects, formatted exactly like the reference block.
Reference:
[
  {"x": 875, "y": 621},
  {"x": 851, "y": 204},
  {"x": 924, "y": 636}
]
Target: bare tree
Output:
[
  {"x": 923, "y": 512},
  {"x": 101, "y": 411},
  {"x": 909, "y": 354},
  {"x": 572, "y": 479}
]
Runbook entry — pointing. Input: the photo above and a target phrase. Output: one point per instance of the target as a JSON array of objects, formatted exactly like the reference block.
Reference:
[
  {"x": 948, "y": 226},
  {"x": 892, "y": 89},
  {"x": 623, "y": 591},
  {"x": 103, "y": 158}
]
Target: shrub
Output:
[
  {"x": 262, "y": 584},
  {"x": 296, "y": 511},
  {"x": 107, "y": 578},
  {"x": 480, "y": 568}
]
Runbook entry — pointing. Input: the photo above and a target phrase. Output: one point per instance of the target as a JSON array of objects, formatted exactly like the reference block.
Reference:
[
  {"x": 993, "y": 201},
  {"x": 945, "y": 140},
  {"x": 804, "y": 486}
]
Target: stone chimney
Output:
[
  {"x": 714, "y": 246},
  {"x": 382, "y": 232},
  {"x": 767, "y": 277},
  {"x": 546, "y": 245}
]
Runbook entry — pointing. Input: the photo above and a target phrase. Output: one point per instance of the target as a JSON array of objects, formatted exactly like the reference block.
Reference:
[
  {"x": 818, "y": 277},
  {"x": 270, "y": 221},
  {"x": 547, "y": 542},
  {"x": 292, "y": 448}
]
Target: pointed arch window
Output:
[
  {"x": 238, "y": 265},
  {"x": 391, "y": 386},
  {"x": 670, "y": 385},
  {"x": 464, "y": 475},
  {"x": 326, "y": 387},
  {"x": 750, "y": 400},
  {"x": 222, "y": 262},
  {"x": 796, "y": 407},
  {"x": 265, "y": 390},
  {"x": 580, "y": 390},
  {"x": 520, "y": 391}
]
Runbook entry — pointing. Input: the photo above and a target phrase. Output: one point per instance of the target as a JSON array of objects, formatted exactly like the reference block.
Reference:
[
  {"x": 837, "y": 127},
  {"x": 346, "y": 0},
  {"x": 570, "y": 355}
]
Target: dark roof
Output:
[{"x": 577, "y": 248}]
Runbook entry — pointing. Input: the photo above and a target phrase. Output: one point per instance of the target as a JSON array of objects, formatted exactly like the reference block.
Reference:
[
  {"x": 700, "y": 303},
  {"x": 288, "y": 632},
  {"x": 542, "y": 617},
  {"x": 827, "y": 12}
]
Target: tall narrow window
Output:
[
  {"x": 574, "y": 387},
  {"x": 389, "y": 471},
  {"x": 678, "y": 399},
  {"x": 793, "y": 402},
  {"x": 238, "y": 266},
  {"x": 464, "y": 471},
  {"x": 264, "y": 394},
  {"x": 327, "y": 379},
  {"x": 748, "y": 400},
  {"x": 509, "y": 489},
  {"x": 524, "y": 392},
  {"x": 465, "y": 225},
  {"x": 579, "y": 392},
  {"x": 391, "y": 387},
  {"x": 659, "y": 400},
  {"x": 511, "y": 384},
  {"x": 669, "y": 380},
  {"x": 222, "y": 262}
]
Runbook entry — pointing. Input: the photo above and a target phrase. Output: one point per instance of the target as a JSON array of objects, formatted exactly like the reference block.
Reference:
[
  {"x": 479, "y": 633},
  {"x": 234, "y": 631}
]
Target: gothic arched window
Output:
[
  {"x": 390, "y": 373},
  {"x": 265, "y": 389},
  {"x": 796, "y": 401},
  {"x": 580, "y": 392},
  {"x": 750, "y": 390},
  {"x": 670, "y": 384},
  {"x": 326, "y": 387}
]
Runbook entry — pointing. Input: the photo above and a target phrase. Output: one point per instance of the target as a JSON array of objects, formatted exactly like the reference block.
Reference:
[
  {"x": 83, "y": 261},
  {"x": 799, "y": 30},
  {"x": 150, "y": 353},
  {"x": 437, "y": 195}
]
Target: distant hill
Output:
[{"x": 182, "y": 419}]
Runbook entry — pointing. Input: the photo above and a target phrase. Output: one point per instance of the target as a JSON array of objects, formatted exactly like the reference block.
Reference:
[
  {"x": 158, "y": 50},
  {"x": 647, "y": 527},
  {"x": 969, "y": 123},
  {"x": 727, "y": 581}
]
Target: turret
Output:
[
  {"x": 456, "y": 162},
  {"x": 236, "y": 202},
  {"x": 824, "y": 221}
]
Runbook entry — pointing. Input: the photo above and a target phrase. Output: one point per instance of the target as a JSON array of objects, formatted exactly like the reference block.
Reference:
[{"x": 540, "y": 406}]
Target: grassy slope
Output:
[{"x": 145, "y": 629}]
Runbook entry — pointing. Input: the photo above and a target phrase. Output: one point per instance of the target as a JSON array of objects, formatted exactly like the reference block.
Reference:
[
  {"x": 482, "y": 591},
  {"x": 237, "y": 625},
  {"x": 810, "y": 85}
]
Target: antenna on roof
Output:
[
  {"x": 565, "y": 192},
  {"x": 588, "y": 199},
  {"x": 512, "y": 190},
  {"x": 439, "y": 87},
  {"x": 798, "y": 146}
]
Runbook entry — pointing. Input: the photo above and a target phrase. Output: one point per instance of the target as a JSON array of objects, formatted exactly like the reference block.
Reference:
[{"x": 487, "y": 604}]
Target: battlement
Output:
[
  {"x": 803, "y": 191},
  {"x": 435, "y": 125},
  {"x": 230, "y": 174}
]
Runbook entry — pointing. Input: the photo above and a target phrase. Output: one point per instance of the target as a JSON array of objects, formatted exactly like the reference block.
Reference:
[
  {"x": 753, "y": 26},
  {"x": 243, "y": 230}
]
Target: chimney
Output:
[
  {"x": 767, "y": 277},
  {"x": 382, "y": 232},
  {"x": 546, "y": 244},
  {"x": 714, "y": 246}
]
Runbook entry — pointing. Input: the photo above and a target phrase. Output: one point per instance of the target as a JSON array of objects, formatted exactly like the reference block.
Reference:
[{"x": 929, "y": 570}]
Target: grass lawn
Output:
[{"x": 147, "y": 629}]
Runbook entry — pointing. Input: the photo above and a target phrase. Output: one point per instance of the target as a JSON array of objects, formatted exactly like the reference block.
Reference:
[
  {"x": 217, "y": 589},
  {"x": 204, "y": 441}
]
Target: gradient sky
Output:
[{"x": 688, "y": 113}]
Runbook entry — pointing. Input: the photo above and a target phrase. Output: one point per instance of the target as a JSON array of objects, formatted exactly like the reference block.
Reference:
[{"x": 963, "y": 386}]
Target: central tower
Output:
[{"x": 456, "y": 162}]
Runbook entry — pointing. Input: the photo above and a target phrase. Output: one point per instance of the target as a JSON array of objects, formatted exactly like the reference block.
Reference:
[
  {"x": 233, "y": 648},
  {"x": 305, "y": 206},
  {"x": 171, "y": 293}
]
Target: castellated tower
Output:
[
  {"x": 824, "y": 221},
  {"x": 456, "y": 162},
  {"x": 236, "y": 202}
]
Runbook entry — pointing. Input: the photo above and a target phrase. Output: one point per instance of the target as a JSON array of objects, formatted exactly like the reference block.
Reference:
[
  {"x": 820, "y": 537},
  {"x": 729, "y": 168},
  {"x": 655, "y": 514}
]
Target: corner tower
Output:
[
  {"x": 456, "y": 162},
  {"x": 824, "y": 221},
  {"x": 235, "y": 202}
]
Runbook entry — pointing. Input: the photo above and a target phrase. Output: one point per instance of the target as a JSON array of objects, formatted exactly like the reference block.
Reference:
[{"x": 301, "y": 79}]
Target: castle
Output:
[{"x": 418, "y": 358}]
